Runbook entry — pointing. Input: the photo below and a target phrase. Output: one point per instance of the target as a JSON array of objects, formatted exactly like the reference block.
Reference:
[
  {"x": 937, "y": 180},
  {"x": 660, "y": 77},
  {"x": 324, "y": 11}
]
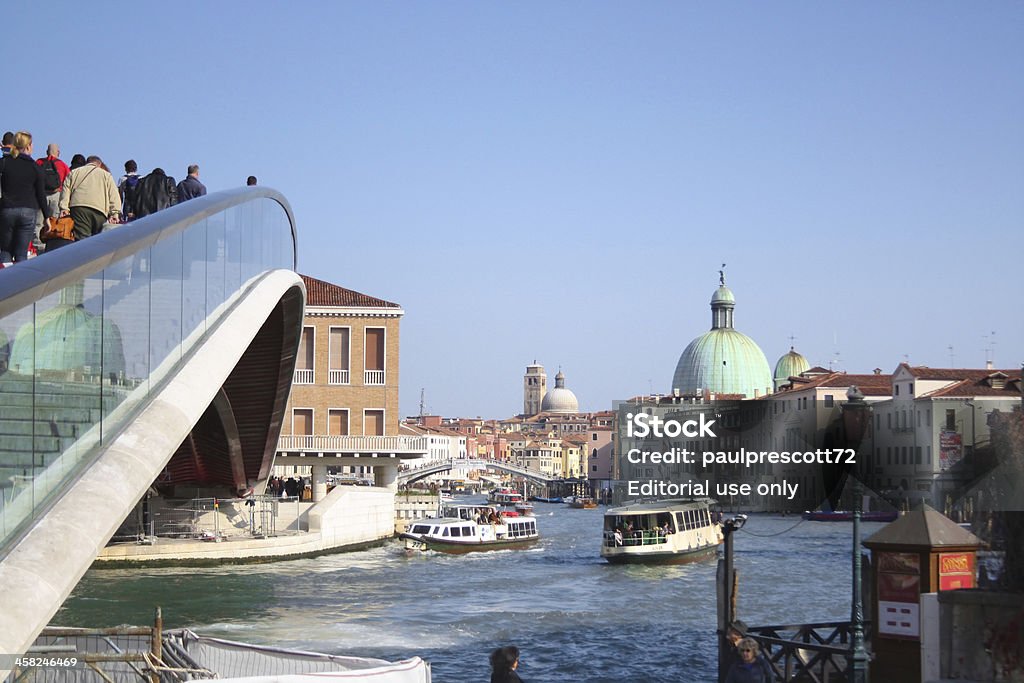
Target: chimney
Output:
[{"x": 988, "y": 364}]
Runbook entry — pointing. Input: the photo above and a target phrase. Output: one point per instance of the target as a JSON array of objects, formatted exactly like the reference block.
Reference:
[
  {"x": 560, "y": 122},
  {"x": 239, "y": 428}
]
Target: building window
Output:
[
  {"x": 302, "y": 421},
  {"x": 373, "y": 422},
  {"x": 373, "y": 356},
  {"x": 917, "y": 455},
  {"x": 304, "y": 363},
  {"x": 950, "y": 420},
  {"x": 337, "y": 422},
  {"x": 339, "y": 352},
  {"x": 829, "y": 401},
  {"x": 897, "y": 388}
]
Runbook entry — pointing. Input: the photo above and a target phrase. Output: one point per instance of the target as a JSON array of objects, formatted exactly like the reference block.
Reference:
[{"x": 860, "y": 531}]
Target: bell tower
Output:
[{"x": 535, "y": 385}]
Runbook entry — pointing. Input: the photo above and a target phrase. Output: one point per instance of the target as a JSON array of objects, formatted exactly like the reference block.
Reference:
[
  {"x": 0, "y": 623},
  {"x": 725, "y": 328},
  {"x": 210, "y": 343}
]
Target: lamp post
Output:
[
  {"x": 727, "y": 578},
  {"x": 858, "y": 658}
]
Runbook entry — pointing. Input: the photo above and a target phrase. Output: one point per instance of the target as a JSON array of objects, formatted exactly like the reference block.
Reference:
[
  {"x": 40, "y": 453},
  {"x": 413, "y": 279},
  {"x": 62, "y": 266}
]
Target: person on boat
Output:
[
  {"x": 504, "y": 662},
  {"x": 494, "y": 518},
  {"x": 618, "y": 537},
  {"x": 666, "y": 529},
  {"x": 752, "y": 667}
]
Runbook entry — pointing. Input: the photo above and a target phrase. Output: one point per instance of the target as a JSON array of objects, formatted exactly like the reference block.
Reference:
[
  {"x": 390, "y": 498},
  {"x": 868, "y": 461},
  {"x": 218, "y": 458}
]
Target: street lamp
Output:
[
  {"x": 726, "y": 593},
  {"x": 858, "y": 658}
]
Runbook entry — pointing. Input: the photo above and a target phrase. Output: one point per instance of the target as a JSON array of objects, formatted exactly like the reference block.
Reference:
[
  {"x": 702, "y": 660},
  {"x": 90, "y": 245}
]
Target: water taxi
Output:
[
  {"x": 583, "y": 502},
  {"x": 469, "y": 528},
  {"x": 666, "y": 531},
  {"x": 504, "y": 496}
]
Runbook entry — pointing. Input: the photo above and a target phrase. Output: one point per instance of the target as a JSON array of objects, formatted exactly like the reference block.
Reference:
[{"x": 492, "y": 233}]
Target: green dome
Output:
[
  {"x": 790, "y": 365},
  {"x": 68, "y": 338},
  {"x": 723, "y": 360},
  {"x": 723, "y": 295}
]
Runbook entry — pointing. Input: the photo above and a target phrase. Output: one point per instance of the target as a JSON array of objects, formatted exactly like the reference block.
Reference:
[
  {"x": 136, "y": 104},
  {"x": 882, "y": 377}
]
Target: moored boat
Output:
[
  {"x": 470, "y": 528},
  {"x": 847, "y": 516},
  {"x": 667, "y": 532},
  {"x": 504, "y": 496}
]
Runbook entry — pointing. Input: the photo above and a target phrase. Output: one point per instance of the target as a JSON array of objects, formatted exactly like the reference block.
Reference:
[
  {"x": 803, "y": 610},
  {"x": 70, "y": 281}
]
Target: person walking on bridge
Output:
[
  {"x": 90, "y": 197},
  {"x": 155, "y": 192},
  {"x": 190, "y": 187},
  {"x": 55, "y": 172},
  {"x": 23, "y": 196}
]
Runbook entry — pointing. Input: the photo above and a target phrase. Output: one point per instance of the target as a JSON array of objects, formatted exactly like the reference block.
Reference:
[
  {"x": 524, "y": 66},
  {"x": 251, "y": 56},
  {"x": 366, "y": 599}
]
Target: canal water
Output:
[{"x": 573, "y": 616}]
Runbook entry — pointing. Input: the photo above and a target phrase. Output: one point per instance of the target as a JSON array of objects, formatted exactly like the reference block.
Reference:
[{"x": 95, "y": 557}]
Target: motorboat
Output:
[
  {"x": 666, "y": 531},
  {"x": 505, "y": 496},
  {"x": 847, "y": 516},
  {"x": 583, "y": 502},
  {"x": 470, "y": 528}
]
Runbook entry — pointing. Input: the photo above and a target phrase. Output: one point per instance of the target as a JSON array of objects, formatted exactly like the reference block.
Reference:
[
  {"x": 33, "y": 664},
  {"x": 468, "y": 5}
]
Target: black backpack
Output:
[
  {"x": 51, "y": 176},
  {"x": 128, "y": 189}
]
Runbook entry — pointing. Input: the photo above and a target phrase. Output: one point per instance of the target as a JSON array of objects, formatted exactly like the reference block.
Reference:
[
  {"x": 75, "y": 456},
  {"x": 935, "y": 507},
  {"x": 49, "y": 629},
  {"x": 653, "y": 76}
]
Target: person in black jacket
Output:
[
  {"x": 155, "y": 192},
  {"x": 22, "y": 196},
  {"x": 190, "y": 187},
  {"x": 504, "y": 662}
]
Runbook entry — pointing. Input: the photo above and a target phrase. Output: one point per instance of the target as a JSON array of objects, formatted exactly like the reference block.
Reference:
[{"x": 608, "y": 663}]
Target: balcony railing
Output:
[
  {"x": 373, "y": 377},
  {"x": 326, "y": 443},
  {"x": 303, "y": 376},
  {"x": 337, "y": 377}
]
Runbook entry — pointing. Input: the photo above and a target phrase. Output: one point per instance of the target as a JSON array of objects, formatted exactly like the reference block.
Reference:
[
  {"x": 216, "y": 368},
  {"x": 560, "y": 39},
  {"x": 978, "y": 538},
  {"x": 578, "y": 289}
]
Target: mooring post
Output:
[{"x": 156, "y": 644}]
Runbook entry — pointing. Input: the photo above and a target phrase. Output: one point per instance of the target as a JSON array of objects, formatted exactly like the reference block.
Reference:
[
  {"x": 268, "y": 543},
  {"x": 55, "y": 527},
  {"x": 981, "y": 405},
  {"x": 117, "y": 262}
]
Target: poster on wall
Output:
[
  {"x": 899, "y": 595},
  {"x": 956, "y": 571},
  {"x": 951, "y": 449}
]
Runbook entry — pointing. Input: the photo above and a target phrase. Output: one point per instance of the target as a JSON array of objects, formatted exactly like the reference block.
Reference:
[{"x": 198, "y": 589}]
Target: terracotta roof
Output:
[
  {"x": 320, "y": 293},
  {"x": 954, "y": 374},
  {"x": 981, "y": 386},
  {"x": 869, "y": 385}
]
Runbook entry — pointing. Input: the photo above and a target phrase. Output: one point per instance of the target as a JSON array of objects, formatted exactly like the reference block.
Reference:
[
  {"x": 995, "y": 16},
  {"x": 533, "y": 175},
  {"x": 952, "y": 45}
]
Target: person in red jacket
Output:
[{"x": 54, "y": 173}]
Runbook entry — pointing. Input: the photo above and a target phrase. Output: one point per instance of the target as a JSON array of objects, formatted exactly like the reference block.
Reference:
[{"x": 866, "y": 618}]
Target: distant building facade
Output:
[{"x": 343, "y": 408}]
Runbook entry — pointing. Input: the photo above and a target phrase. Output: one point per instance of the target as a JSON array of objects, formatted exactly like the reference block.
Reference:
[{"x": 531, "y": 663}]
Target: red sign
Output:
[{"x": 956, "y": 570}]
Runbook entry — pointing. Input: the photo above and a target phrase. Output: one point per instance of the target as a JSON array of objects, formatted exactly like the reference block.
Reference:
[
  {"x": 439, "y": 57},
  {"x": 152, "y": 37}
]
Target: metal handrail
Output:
[{"x": 28, "y": 282}]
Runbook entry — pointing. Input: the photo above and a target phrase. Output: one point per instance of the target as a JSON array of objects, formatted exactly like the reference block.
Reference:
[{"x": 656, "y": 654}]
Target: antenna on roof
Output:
[
  {"x": 952, "y": 356},
  {"x": 423, "y": 395},
  {"x": 990, "y": 347}
]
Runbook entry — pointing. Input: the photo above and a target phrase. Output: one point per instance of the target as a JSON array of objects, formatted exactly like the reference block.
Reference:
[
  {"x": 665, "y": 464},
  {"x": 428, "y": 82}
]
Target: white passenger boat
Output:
[
  {"x": 666, "y": 531},
  {"x": 469, "y": 528},
  {"x": 505, "y": 496}
]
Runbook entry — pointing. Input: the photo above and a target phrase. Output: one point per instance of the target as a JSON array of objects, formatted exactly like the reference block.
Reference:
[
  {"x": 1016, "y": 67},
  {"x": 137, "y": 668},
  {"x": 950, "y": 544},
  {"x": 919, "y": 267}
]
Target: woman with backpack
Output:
[{"x": 23, "y": 196}]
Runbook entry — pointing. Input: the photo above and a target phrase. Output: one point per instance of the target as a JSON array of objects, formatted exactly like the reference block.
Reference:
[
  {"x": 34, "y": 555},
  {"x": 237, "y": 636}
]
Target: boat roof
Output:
[{"x": 671, "y": 505}]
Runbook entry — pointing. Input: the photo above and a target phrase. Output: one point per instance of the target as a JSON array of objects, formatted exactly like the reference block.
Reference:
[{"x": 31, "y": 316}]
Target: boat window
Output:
[
  {"x": 436, "y": 531},
  {"x": 445, "y": 532},
  {"x": 421, "y": 529},
  {"x": 467, "y": 531},
  {"x": 680, "y": 523},
  {"x": 456, "y": 531}
]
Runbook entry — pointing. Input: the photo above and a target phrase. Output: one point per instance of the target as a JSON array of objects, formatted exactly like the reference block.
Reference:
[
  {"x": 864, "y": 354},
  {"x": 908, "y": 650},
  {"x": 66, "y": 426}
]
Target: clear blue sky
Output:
[{"x": 561, "y": 181}]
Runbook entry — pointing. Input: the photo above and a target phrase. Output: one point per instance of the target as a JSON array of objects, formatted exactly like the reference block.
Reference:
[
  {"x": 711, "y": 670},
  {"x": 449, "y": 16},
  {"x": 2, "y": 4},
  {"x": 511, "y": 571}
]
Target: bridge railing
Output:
[
  {"x": 89, "y": 331},
  {"x": 328, "y": 443},
  {"x": 815, "y": 653}
]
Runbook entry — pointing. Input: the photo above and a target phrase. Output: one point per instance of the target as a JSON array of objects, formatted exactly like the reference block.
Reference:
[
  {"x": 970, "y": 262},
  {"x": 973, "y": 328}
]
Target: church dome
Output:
[
  {"x": 723, "y": 360},
  {"x": 560, "y": 399},
  {"x": 790, "y": 365}
]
